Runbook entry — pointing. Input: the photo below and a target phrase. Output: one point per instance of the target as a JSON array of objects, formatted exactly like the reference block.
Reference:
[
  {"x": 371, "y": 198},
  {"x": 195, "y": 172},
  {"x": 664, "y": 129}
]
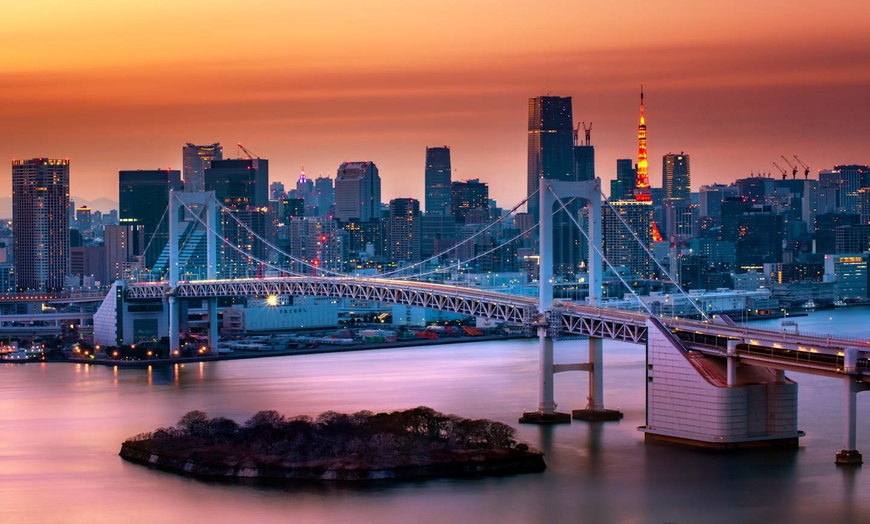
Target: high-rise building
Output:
[
  {"x": 620, "y": 247},
  {"x": 404, "y": 230},
  {"x": 551, "y": 144},
  {"x": 242, "y": 185},
  {"x": 124, "y": 246},
  {"x": 143, "y": 196},
  {"x": 676, "y": 181},
  {"x": 711, "y": 197},
  {"x": 276, "y": 191},
  {"x": 467, "y": 198},
  {"x": 239, "y": 183},
  {"x": 438, "y": 180},
  {"x": 196, "y": 159},
  {"x": 584, "y": 155},
  {"x": 324, "y": 192},
  {"x": 83, "y": 218},
  {"x": 357, "y": 192},
  {"x": 626, "y": 176},
  {"x": 40, "y": 214}
]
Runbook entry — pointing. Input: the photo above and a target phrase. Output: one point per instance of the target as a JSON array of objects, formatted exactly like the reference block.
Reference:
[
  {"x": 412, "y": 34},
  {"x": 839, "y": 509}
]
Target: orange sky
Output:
[{"x": 123, "y": 85}]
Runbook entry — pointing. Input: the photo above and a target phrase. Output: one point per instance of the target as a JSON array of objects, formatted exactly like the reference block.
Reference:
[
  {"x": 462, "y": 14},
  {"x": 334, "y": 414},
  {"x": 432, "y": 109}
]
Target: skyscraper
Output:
[
  {"x": 143, "y": 196},
  {"x": 551, "y": 143},
  {"x": 584, "y": 155},
  {"x": 242, "y": 185},
  {"x": 438, "y": 179},
  {"x": 40, "y": 215},
  {"x": 357, "y": 192},
  {"x": 196, "y": 159},
  {"x": 676, "y": 180},
  {"x": 620, "y": 247}
]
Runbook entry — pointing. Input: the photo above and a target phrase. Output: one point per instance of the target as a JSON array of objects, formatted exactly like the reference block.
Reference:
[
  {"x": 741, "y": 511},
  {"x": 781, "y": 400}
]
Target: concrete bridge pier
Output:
[
  {"x": 850, "y": 456},
  {"x": 174, "y": 345},
  {"x": 212, "y": 326},
  {"x": 595, "y": 411},
  {"x": 546, "y": 413}
]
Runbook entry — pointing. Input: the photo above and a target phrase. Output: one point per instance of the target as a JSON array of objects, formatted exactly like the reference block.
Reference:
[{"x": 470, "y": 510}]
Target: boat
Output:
[
  {"x": 839, "y": 303},
  {"x": 809, "y": 304},
  {"x": 21, "y": 355}
]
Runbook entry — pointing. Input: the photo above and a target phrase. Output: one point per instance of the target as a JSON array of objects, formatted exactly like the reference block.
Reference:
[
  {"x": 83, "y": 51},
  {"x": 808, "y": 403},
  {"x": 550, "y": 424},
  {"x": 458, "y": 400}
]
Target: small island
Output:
[{"x": 415, "y": 443}]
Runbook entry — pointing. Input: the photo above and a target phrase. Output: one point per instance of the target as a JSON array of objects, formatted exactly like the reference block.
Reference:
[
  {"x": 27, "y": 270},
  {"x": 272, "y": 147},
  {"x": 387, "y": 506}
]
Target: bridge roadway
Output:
[{"x": 806, "y": 353}]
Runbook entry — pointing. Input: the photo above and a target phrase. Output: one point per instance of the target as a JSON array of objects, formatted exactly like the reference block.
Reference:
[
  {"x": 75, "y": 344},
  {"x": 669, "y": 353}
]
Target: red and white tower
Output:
[{"x": 641, "y": 188}]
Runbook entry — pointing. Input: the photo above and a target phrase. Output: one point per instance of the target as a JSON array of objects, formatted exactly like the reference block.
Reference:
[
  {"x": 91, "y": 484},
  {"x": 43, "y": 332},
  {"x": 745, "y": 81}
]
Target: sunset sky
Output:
[{"x": 124, "y": 84}]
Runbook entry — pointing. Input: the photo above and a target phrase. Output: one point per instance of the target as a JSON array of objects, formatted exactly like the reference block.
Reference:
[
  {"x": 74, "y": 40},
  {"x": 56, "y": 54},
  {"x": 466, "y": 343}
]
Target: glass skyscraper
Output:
[{"x": 438, "y": 179}]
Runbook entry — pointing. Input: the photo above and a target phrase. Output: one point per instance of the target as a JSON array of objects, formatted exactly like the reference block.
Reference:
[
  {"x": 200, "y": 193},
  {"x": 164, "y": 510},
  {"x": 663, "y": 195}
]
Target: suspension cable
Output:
[
  {"x": 563, "y": 205},
  {"x": 457, "y": 246},
  {"x": 653, "y": 258},
  {"x": 457, "y": 265},
  {"x": 278, "y": 250},
  {"x": 236, "y": 248}
]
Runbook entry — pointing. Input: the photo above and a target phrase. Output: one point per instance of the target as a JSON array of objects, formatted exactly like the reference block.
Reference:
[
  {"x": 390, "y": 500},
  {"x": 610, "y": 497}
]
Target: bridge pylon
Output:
[
  {"x": 589, "y": 192},
  {"x": 179, "y": 201}
]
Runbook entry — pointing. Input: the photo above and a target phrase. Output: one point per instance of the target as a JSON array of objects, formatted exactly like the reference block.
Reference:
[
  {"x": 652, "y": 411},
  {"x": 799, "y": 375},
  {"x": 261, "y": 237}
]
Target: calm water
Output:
[{"x": 61, "y": 426}]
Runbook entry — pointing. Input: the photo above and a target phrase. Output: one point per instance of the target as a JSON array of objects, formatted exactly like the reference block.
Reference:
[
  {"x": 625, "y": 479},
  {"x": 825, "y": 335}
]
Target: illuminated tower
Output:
[{"x": 641, "y": 189}]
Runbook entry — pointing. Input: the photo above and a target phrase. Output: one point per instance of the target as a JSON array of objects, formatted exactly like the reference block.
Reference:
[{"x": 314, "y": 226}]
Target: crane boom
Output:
[
  {"x": 781, "y": 170},
  {"x": 806, "y": 167},
  {"x": 792, "y": 166},
  {"x": 248, "y": 154}
]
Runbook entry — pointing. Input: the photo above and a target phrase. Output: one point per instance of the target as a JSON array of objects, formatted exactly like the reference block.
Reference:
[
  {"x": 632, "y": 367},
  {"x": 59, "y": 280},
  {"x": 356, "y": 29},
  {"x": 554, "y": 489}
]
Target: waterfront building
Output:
[
  {"x": 357, "y": 192},
  {"x": 850, "y": 272},
  {"x": 40, "y": 214},
  {"x": 195, "y": 160},
  {"x": 438, "y": 180}
]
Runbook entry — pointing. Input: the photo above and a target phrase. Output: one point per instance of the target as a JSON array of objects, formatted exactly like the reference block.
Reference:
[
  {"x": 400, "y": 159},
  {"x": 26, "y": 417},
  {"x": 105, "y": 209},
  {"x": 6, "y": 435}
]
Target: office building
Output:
[
  {"x": 584, "y": 155},
  {"x": 196, "y": 159},
  {"x": 357, "y": 192},
  {"x": 438, "y": 180},
  {"x": 242, "y": 185},
  {"x": 676, "y": 181},
  {"x": 143, "y": 197},
  {"x": 40, "y": 214},
  {"x": 550, "y": 143},
  {"x": 324, "y": 195},
  {"x": 124, "y": 247}
]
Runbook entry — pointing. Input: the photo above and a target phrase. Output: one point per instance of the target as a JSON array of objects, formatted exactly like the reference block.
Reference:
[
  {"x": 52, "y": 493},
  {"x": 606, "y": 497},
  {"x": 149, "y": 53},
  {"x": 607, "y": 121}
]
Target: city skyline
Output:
[{"x": 735, "y": 86}]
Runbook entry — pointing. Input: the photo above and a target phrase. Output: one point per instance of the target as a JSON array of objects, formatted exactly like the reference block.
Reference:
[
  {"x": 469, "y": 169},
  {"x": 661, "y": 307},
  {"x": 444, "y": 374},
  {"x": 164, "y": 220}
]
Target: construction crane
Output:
[
  {"x": 586, "y": 130},
  {"x": 248, "y": 153},
  {"x": 806, "y": 167},
  {"x": 781, "y": 170},
  {"x": 792, "y": 166}
]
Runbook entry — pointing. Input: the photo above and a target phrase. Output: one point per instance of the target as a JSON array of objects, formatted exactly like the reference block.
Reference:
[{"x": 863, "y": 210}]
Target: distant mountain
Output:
[{"x": 103, "y": 205}]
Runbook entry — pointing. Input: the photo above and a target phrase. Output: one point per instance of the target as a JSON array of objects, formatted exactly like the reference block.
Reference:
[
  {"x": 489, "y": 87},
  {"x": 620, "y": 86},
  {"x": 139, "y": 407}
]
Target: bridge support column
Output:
[
  {"x": 546, "y": 413},
  {"x": 212, "y": 326},
  {"x": 731, "y": 363},
  {"x": 595, "y": 411},
  {"x": 849, "y": 455},
  {"x": 174, "y": 343}
]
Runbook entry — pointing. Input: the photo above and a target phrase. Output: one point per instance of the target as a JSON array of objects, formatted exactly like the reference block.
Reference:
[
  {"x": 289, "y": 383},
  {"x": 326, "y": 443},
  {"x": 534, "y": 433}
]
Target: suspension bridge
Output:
[{"x": 710, "y": 382}]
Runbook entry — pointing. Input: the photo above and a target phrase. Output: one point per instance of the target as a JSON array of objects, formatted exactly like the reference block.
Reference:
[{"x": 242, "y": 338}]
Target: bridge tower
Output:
[
  {"x": 589, "y": 192},
  {"x": 205, "y": 203}
]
